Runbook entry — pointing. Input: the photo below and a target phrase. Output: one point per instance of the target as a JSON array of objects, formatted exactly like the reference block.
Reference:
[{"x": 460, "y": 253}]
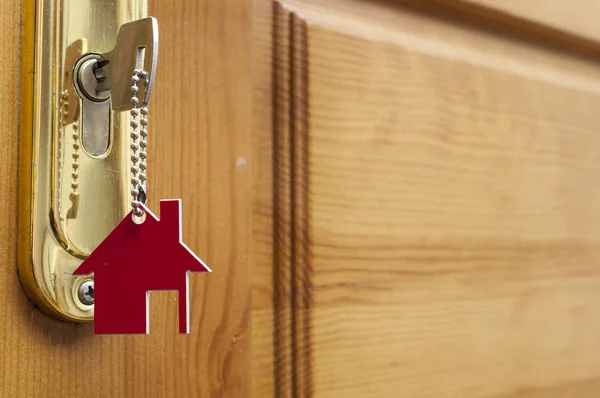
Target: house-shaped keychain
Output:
[{"x": 135, "y": 259}]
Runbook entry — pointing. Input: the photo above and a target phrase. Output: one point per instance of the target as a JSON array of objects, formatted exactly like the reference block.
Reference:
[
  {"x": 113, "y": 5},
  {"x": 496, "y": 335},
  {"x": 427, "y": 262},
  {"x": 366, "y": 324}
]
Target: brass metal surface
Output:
[{"x": 69, "y": 200}]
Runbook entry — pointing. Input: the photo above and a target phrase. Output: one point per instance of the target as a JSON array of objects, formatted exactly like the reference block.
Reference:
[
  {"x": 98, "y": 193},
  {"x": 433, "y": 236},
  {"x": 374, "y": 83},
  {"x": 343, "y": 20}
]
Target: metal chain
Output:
[{"x": 138, "y": 190}]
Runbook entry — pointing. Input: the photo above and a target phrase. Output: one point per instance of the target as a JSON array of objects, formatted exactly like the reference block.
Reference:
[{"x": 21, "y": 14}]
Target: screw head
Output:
[{"x": 86, "y": 292}]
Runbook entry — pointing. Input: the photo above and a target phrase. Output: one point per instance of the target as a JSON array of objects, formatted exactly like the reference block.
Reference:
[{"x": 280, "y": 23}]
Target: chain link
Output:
[{"x": 138, "y": 182}]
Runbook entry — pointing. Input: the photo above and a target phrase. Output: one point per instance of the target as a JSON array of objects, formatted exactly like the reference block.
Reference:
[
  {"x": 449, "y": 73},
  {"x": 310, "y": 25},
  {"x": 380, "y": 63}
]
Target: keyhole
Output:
[{"x": 95, "y": 106}]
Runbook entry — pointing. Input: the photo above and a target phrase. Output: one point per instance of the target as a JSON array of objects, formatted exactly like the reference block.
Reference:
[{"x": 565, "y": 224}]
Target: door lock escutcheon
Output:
[
  {"x": 75, "y": 148},
  {"x": 103, "y": 81}
]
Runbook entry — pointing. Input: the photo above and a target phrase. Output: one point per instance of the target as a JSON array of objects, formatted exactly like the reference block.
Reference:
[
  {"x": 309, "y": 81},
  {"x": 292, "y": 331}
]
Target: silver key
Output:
[{"x": 136, "y": 49}]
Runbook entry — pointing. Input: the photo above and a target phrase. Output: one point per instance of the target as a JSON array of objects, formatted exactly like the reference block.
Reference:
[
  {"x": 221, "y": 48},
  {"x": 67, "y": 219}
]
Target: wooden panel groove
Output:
[
  {"x": 283, "y": 345},
  {"x": 292, "y": 300},
  {"x": 519, "y": 26},
  {"x": 302, "y": 280},
  {"x": 577, "y": 17}
]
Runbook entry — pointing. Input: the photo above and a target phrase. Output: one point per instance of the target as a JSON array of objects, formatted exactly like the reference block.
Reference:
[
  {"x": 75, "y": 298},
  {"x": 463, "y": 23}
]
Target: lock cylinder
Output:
[
  {"x": 95, "y": 106},
  {"x": 86, "y": 80}
]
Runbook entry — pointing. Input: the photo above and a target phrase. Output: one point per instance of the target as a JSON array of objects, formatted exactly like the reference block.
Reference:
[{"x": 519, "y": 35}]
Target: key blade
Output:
[{"x": 134, "y": 39}]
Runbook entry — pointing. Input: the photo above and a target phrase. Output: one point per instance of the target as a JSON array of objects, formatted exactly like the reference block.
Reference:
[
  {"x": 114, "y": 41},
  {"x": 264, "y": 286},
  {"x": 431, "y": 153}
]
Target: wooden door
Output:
[
  {"x": 201, "y": 110},
  {"x": 426, "y": 211}
]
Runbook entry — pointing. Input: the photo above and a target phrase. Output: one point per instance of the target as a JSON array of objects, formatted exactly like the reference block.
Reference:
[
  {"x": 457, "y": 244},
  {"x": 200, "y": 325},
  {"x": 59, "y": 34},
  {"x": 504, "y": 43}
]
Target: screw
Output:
[{"x": 86, "y": 292}]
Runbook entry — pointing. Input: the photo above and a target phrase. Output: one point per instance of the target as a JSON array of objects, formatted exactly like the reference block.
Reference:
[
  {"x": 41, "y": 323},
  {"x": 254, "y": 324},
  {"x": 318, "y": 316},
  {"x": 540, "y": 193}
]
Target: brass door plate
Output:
[{"x": 69, "y": 199}]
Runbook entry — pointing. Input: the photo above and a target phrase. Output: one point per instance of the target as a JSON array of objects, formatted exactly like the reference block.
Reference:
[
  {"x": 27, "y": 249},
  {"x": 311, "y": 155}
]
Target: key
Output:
[{"x": 136, "y": 48}]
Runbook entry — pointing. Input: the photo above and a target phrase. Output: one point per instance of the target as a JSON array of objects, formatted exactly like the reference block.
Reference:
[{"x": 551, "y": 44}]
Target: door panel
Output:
[
  {"x": 9, "y": 112},
  {"x": 199, "y": 151},
  {"x": 577, "y": 17},
  {"x": 425, "y": 215}
]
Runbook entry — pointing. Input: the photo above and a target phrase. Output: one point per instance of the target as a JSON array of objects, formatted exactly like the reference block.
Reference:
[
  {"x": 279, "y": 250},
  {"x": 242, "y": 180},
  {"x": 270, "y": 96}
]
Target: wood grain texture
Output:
[
  {"x": 578, "y": 17},
  {"x": 264, "y": 361},
  {"x": 200, "y": 140},
  {"x": 9, "y": 114},
  {"x": 445, "y": 207}
]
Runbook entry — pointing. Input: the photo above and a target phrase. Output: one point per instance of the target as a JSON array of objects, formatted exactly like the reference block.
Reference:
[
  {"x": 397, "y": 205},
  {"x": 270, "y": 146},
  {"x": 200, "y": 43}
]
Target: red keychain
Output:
[{"x": 123, "y": 275}]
